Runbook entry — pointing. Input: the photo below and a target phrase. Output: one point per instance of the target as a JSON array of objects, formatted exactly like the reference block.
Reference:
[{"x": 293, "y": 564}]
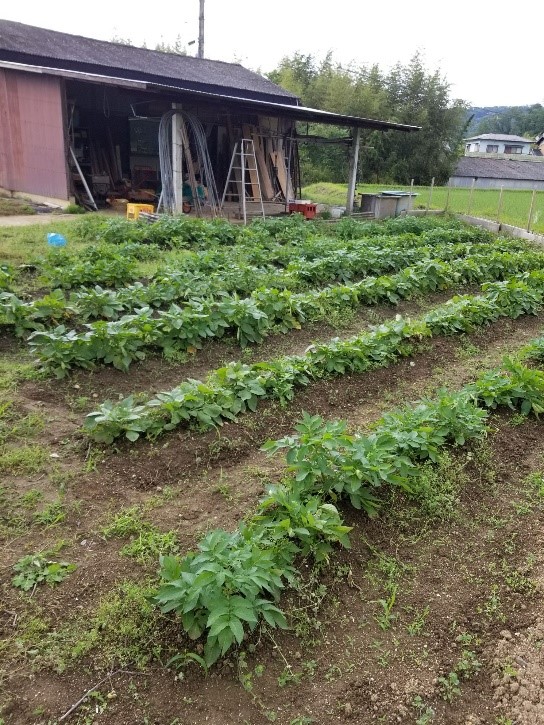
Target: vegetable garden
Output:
[{"x": 291, "y": 472}]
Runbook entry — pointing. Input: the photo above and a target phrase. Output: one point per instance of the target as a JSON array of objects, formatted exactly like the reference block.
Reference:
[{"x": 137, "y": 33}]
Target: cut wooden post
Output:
[
  {"x": 278, "y": 160},
  {"x": 177, "y": 161},
  {"x": 470, "y": 196},
  {"x": 499, "y": 207},
  {"x": 268, "y": 189},
  {"x": 430, "y": 196},
  {"x": 353, "y": 163},
  {"x": 529, "y": 221},
  {"x": 197, "y": 201}
]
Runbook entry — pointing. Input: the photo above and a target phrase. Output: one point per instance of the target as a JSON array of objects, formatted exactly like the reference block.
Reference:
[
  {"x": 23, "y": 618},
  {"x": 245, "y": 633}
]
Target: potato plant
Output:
[
  {"x": 236, "y": 387},
  {"x": 233, "y": 582}
]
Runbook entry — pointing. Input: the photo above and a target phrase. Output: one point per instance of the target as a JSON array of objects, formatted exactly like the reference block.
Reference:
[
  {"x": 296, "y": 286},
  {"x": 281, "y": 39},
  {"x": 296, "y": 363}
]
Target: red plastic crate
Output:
[{"x": 309, "y": 210}]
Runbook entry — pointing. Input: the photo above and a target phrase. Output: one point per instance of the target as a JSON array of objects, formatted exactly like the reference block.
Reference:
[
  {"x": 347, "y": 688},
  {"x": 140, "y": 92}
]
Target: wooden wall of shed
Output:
[{"x": 32, "y": 144}]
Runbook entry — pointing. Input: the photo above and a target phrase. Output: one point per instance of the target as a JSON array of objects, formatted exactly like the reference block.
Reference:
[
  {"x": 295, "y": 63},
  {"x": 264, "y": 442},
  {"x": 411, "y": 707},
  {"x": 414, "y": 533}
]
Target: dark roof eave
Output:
[
  {"x": 283, "y": 110},
  {"x": 297, "y": 113}
]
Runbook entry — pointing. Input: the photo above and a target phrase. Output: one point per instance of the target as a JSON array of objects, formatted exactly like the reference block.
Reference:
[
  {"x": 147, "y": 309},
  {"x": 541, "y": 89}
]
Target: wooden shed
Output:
[{"x": 80, "y": 114}]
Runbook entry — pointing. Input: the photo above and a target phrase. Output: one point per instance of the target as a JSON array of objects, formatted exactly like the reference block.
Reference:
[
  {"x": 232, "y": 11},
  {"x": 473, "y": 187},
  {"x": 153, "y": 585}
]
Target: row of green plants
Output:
[
  {"x": 203, "y": 276},
  {"x": 128, "y": 339},
  {"x": 234, "y": 580},
  {"x": 180, "y": 284},
  {"x": 103, "y": 264},
  {"x": 235, "y": 388},
  {"x": 263, "y": 253},
  {"x": 183, "y": 232}
]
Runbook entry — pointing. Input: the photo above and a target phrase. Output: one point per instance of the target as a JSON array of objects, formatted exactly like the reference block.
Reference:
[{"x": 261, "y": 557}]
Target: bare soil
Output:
[{"x": 476, "y": 575}]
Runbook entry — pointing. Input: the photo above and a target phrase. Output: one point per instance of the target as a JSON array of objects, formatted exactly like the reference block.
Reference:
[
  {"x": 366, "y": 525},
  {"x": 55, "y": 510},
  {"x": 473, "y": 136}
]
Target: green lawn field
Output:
[{"x": 484, "y": 203}]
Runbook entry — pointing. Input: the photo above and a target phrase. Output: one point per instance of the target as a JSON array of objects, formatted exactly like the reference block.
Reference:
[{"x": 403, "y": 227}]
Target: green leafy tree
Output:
[
  {"x": 518, "y": 120},
  {"x": 406, "y": 94}
]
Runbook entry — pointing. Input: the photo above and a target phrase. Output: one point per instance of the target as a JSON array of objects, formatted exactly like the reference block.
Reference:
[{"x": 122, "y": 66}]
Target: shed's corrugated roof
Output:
[
  {"x": 499, "y": 137},
  {"x": 499, "y": 169},
  {"x": 22, "y": 43}
]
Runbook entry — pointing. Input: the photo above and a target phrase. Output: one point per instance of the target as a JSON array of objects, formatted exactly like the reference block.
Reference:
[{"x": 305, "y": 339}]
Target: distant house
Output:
[
  {"x": 492, "y": 173},
  {"x": 493, "y": 160},
  {"x": 498, "y": 143}
]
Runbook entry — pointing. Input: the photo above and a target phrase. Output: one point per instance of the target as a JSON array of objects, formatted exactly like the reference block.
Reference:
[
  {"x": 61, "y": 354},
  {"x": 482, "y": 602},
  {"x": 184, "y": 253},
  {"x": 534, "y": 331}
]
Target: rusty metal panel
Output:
[{"x": 32, "y": 151}]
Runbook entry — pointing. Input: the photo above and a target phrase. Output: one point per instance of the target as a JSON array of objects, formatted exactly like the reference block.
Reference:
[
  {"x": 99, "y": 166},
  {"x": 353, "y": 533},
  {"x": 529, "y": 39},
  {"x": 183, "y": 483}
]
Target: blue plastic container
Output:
[{"x": 56, "y": 240}]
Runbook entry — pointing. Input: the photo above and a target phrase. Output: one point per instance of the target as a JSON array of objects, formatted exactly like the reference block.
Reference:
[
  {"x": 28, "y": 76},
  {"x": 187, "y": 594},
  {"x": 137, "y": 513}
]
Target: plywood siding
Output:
[{"x": 32, "y": 151}]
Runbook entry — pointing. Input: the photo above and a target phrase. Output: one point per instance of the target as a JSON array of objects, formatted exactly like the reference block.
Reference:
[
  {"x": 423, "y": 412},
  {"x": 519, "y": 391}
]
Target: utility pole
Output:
[{"x": 201, "y": 31}]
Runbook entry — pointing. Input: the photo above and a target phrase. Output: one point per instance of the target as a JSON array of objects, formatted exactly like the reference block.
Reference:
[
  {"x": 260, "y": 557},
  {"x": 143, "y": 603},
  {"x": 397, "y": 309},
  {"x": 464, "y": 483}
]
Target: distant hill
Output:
[
  {"x": 519, "y": 120},
  {"x": 479, "y": 113}
]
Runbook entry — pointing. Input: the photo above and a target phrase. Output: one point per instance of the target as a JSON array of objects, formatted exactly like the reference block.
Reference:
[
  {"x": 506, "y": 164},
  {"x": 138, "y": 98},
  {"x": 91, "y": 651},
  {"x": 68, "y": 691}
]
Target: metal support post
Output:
[
  {"x": 201, "y": 30},
  {"x": 83, "y": 179},
  {"x": 447, "y": 206}
]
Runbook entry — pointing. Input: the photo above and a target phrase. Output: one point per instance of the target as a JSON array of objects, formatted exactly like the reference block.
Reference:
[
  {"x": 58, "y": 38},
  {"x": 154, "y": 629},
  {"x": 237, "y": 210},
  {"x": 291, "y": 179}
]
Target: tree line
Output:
[
  {"x": 405, "y": 94},
  {"x": 525, "y": 121}
]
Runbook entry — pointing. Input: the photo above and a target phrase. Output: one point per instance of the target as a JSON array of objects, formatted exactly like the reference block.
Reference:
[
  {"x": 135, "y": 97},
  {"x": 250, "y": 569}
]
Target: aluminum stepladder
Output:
[{"x": 243, "y": 164}]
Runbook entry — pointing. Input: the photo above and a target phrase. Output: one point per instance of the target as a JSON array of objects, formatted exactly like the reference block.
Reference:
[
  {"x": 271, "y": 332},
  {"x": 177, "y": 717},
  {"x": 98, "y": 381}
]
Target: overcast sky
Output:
[{"x": 488, "y": 57}]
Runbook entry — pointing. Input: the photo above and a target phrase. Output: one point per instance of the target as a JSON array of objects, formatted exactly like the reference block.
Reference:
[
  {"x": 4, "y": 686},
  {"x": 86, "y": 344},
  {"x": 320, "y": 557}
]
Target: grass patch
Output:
[
  {"x": 52, "y": 515},
  {"x": 148, "y": 546},
  {"x": 438, "y": 485},
  {"x": 147, "y": 542},
  {"x": 13, "y": 372},
  {"x": 484, "y": 203},
  {"x": 124, "y": 630},
  {"x": 21, "y": 245},
  {"x": 27, "y": 459},
  {"x": 15, "y": 207},
  {"x": 127, "y": 522},
  {"x": 14, "y": 426}
]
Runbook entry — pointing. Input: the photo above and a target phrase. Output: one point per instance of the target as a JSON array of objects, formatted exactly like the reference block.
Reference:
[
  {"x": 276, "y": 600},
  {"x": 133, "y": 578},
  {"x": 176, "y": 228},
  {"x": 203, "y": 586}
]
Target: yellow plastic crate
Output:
[{"x": 134, "y": 210}]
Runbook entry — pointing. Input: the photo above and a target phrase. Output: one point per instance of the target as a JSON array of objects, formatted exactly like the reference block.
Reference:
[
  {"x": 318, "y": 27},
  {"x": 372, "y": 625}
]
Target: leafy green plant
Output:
[
  {"x": 313, "y": 525},
  {"x": 251, "y": 319},
  {"x": 425, "y": 713},
  {"x": 111, "y": 420},
  {"x": 468, "y": 665},
  {"x": 449, "y": 686},
  {"x": 223, "y": 589},
  {"x": 99, "y": 264},
  {"x": 35, "y": 569},
  {"x": 386, "y": 616}
]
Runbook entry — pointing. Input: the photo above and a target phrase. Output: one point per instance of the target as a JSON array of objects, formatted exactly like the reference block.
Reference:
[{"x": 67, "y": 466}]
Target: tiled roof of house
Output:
[
  {"x": 500, "y": 137},
  {"x": 482, "y": 168}
]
